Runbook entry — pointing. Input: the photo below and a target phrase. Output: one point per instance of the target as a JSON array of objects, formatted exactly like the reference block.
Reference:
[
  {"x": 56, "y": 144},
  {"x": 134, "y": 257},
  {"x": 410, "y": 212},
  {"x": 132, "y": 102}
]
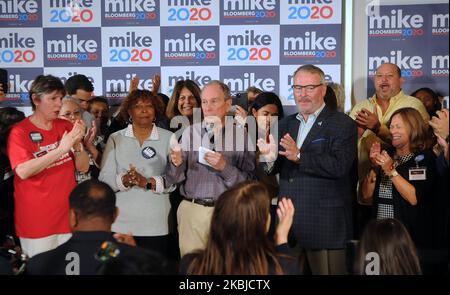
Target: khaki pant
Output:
[{"x": 194, "y": 221}]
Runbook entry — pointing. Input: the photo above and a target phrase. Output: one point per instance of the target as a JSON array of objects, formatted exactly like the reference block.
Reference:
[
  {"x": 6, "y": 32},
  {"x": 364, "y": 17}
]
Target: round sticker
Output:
[
  {"x": 148, "y": 152},
  {"x": 419, "y": 158}
]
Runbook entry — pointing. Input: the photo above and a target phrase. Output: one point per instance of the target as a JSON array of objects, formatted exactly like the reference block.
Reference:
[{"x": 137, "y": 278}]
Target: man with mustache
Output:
[
  {"x": 372, "y": 114},
  {"x": 317, "y": 148}
]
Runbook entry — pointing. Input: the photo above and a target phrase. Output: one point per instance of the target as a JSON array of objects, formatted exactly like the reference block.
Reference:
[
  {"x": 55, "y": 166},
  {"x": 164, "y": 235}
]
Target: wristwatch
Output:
[
  {"x": 148, "y": 186},
  {"x": 394, "y": 173}
]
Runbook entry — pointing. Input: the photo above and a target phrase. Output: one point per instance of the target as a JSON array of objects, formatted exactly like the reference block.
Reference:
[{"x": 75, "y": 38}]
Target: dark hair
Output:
[
  {"x": 141, "y": 95},
  {"x": 8, "y": 117},
  {"x": 135, "y": 261},
  {"x": 93, "y": 198},
  {"x": 254, "y": 89},
  {"x": 164, "y": 99},
  {"x": 44, "y": 85},
  {"x": 265, "y": 98},
  {"x": 330, "y": 98},
  {"x": 99, "y": 99},
  {"x": 238, "y": 242},
  {"x": 436, "y": 102},
  {"x": 172, "y": 106},
  {"x": 391, "y": 241},
  {"x": 419, "y": 134},
  {"x": 78, "y": 82}
]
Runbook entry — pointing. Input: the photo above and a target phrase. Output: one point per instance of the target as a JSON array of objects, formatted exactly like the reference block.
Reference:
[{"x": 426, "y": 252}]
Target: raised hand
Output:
[
  {"x": 134, "y": 83},
  {"x": 156, "y": 84},
  {"x": 216, "y": 160},
  {"x": 285, "y": 212},
  {"x": 440, "y": 123},
  {"x": 368, "y": 120},
  {"x": 375, "y": 151},
  {"x": 175, "y": 155},
  {"x": 267, "y": 149},
  {"x": 291, "y": 150}
]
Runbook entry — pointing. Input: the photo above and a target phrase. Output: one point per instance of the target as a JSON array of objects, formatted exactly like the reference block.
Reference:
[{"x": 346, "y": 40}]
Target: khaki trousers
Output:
[{"x": 194, "y": 221}]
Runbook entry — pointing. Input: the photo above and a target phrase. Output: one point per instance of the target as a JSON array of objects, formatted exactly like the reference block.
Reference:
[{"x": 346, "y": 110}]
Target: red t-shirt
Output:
[{"x": 41, "y": 201}]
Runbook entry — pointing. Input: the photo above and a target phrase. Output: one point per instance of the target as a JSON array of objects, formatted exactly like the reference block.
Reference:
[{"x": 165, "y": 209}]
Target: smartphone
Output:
[
  {"x": 241, "y": 100},
  {"x": 4, "y": 80}
]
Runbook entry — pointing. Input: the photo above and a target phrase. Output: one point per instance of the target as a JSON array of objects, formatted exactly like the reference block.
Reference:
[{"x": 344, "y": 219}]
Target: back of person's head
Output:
[
  {"x": 135, "y": 261},
  {"x": 76, "y": 82},
  {"x": 238, "y": 242},
  {"x": 265, "y": 98},
  {"x": 45, "y": 84},
  {"x": 390, "y": 241},
  {"x": 93, "y": 198},
  {"x": 8, "y": 117}
]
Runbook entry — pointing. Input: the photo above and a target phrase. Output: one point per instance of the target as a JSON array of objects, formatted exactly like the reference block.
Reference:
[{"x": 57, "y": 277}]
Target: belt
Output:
[{"x": 203, "y": 202}]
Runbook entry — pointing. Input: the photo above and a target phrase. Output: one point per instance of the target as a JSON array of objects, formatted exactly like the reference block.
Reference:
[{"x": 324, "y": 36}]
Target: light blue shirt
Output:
[{"x": 305, "y": 126}]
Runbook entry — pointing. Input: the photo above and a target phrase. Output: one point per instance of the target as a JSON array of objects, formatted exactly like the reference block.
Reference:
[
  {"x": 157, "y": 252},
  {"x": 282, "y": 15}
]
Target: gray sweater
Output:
[{"x": 141, "y": 212}]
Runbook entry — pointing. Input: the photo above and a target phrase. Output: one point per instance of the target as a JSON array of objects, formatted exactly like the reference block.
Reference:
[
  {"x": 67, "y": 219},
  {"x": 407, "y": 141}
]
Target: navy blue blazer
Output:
[{"x": 320, "y": 185}]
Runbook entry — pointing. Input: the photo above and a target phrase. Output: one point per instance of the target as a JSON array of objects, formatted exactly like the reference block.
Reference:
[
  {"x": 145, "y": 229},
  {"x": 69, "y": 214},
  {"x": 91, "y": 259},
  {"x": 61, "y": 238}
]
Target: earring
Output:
[{"x": 130, "y": 120}]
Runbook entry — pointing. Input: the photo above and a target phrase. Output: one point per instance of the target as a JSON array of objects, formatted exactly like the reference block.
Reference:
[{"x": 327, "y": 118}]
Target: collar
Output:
[
  {"x": 153, "y": 136},
  {"x": 92, "y": 235},
  {"x": 314, "y": 115},
  {"x": 392, "y": 100}
]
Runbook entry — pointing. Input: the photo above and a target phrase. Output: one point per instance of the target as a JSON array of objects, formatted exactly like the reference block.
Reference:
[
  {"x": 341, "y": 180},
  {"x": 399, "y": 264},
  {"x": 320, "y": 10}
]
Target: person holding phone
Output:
[{"x": 44, "y": 152}]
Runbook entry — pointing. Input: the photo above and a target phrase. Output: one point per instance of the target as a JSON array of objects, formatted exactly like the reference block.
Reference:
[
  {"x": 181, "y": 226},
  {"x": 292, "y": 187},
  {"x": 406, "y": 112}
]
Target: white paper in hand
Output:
[{"x": 201, "y": 155}]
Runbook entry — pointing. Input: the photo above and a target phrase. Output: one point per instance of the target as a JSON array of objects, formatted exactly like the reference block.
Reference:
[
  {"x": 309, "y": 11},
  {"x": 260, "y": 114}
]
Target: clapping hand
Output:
[
  {"x": 285, "y": 214},
  {"x": 268, "y": 149}
]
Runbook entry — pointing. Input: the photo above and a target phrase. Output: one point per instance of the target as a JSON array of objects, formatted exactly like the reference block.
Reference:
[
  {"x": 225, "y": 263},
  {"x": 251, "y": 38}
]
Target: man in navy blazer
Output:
[{"x": 318, "y": 147}]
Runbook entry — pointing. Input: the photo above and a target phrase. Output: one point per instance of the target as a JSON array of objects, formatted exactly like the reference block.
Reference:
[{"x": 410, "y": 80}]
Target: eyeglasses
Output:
[
  {"x": 73, "y": 114},
  {"x": 308, "y": 88}
]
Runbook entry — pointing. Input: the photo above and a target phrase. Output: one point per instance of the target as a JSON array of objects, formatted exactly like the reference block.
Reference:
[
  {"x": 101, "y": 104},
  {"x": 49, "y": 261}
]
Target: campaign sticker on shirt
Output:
[
  {"x": 419, "y": 158},
  {"x": 419, "y": 173},
  {"x": 148, "y": 152},
  {"x": 36, "y": 137},
  {"x": 39, "y": 153}
]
